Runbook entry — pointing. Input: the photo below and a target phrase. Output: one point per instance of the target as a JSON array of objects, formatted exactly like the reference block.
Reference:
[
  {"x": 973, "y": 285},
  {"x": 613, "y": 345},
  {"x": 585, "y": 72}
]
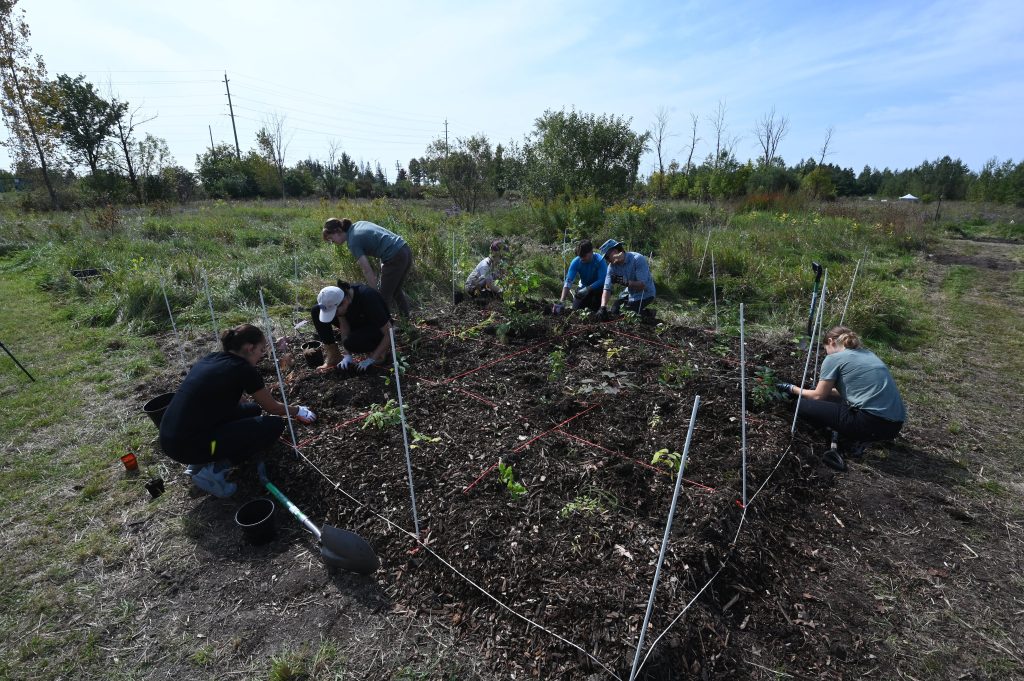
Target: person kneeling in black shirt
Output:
[
  {"x": 361, "y": 316},
  {"x": 206, "y": 425}
]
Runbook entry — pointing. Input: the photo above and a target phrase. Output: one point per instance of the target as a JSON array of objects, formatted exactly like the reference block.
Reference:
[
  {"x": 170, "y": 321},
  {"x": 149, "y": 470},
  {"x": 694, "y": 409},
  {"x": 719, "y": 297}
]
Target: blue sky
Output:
[{"x": 899, "y": 82}]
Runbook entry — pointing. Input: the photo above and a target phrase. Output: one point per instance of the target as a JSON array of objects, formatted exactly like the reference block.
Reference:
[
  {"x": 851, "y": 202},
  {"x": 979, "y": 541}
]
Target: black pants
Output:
[
  {"x": 360, "y": 339},
  {"x": 848, "y": 421},
  {"x": 591, "y": 301},
  {"x": 245, "y": 434}
]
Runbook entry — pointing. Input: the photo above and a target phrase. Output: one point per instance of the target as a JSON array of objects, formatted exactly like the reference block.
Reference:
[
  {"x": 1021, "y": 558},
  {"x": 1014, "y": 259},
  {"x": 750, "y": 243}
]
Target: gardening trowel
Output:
[{"x": 338, "y": 547}]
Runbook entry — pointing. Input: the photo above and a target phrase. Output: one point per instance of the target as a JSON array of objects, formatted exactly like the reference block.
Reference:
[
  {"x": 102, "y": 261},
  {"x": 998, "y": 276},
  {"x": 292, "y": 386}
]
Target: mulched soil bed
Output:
[{"x": 577, "y": 552}]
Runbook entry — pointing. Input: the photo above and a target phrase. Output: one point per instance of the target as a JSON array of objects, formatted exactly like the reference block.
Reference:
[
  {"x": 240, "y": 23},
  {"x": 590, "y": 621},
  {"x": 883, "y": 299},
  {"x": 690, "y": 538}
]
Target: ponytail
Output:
[
  {"x": 845, "y": 336},
  {"x": 233, "y": 339}
]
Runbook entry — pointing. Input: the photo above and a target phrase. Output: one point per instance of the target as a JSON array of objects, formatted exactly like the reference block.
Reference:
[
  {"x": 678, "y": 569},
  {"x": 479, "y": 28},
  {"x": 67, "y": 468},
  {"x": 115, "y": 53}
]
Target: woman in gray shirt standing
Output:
[{"x": 367, "y": 239}]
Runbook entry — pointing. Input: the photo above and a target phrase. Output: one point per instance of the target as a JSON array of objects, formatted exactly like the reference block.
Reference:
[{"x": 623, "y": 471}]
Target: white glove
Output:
[
  {"x": 346, "y": 363},
  {"x": 306, "y": 415},
  {"x": 367, "y": 363}
]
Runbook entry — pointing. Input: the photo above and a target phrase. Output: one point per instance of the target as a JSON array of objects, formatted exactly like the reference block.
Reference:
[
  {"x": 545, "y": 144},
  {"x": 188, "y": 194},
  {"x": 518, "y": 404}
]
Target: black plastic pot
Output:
[
  {"x": 314, "y": 353},
  {"x": 156, "y": 407},
  {"x": 256, "y": 518}
]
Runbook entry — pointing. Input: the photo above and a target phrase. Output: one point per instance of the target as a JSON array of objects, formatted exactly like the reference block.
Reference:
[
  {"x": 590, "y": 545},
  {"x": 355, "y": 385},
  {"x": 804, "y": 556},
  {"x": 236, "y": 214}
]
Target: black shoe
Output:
[{"x": 832, "y": 459}]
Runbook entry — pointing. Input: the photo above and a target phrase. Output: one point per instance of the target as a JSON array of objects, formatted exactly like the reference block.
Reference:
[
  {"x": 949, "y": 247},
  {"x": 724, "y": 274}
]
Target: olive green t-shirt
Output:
[{"x": 864, "y": 382}]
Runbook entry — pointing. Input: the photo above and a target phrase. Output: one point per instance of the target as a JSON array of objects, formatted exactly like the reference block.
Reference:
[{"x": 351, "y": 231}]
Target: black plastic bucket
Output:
[
  {"x": 156, "y": 407},
  {"x": 256, "y": 518}
]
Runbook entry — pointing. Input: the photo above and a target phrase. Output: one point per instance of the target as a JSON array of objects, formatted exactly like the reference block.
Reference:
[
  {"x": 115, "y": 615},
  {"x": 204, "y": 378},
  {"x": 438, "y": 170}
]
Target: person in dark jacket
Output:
[
  {"x": 206, "y": 425},
  {"x": 362, "y": 319}
]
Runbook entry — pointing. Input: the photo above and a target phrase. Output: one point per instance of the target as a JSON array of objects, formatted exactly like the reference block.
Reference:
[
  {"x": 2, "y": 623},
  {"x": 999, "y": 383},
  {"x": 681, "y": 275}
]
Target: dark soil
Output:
[{"x": 576, "y": 553}]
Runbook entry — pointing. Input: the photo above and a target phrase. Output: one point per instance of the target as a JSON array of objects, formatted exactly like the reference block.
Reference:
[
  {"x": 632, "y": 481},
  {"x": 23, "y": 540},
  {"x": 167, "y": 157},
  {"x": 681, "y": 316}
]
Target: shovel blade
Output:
[{"x": 347, "y": 550}]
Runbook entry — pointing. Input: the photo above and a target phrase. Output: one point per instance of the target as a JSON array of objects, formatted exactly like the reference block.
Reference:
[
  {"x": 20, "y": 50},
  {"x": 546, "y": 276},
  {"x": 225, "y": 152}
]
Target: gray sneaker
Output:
[{"x": 212, "y": 482}]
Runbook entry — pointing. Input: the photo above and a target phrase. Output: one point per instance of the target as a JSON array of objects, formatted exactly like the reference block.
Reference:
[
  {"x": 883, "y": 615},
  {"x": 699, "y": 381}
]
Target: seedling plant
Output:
[
  {"x": 383, "y": 416},
  {"x": 669, "y": 460},
  {"x": 508, "y": 478}
]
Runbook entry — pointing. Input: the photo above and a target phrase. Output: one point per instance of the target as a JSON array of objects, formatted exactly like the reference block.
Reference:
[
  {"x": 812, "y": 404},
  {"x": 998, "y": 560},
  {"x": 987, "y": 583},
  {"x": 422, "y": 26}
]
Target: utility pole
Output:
[
  {"x": 210, "y": 128},
  {"x": 238, "y": 151},
  {"x": 446, "y": 138}
]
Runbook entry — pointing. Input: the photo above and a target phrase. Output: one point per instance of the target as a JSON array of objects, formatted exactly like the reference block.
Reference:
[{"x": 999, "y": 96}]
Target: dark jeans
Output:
[
  {"x": 591, "y": 301},
  {"x": 392, "y": 276},
  {"x": 635, "y": 306},
  {"x": 848, "y": 421},
  {"x": 245, "y": 434}
]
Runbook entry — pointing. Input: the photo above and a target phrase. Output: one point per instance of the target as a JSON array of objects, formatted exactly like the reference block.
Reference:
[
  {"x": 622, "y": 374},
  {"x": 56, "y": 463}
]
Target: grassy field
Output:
[{"x": 952, "y": 332}]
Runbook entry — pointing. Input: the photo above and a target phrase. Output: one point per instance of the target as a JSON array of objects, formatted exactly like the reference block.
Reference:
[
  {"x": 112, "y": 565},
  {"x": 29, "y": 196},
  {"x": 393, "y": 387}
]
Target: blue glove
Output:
[
  {"x": 305, "y": 415},
  {"x": 366, "y": 364},
  {"x": 786, "y": 388},
  {"x": 346, "y": 363},
  {"x": 557, "y": 309}
]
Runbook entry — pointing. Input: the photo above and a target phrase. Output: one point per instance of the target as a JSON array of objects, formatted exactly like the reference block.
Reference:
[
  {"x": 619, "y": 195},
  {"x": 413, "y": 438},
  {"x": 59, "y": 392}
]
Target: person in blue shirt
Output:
[
  {"x": 368, "y": 239},
  {"x": 630, "y": 270},
  {"x": 591, "y": 271}
]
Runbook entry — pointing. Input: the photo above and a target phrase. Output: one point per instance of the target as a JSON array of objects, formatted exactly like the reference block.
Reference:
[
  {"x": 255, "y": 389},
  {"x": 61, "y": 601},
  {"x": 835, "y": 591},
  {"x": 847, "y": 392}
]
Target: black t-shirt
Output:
[
  {"x": 367, "y": 308},
  {"x": 209, "y": 395}
]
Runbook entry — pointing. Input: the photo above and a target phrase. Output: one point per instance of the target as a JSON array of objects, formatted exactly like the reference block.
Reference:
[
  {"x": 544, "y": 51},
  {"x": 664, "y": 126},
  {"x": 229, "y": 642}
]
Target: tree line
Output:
[{"x": 60, "y": 126}]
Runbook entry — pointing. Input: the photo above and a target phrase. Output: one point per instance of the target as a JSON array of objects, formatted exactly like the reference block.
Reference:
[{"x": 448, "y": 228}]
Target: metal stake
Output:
[
  {"x": 181, "y": 351},
  {"x": 803, "y": 379},
  {"x": 706, "y": 243},
  {"x": 664, "y": 538},
  {"x": 213, "y": 317},
  {"x": 405, "y": 433},
  {"x": 743, "y": 408},
  {"x": 11, "y": 355},
  {"x": 277, "y": 368},
  {"x": 714, "y": 288},
  {"x": 849, "y": 293}
]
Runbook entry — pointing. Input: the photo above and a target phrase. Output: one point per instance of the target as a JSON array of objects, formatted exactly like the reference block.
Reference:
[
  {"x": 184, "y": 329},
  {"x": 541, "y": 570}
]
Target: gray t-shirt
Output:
[
  {"x": 864, "y": 382},
  {"x": 366, "y": 238}
]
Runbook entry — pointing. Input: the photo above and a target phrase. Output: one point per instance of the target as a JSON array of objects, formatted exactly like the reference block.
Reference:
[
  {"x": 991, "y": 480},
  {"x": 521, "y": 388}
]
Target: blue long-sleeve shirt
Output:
[
  {"x": 633, "y": 268},
  {"x": 591, "y": 274}
]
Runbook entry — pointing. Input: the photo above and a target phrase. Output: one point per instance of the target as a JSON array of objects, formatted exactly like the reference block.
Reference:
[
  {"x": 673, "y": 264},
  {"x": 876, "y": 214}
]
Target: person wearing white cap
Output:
[{"x": 362, "y": 319}]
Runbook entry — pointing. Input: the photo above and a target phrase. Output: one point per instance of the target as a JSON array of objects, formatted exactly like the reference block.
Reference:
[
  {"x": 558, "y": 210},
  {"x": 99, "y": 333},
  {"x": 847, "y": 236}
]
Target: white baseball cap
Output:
[{"x": 329, "y": 298}]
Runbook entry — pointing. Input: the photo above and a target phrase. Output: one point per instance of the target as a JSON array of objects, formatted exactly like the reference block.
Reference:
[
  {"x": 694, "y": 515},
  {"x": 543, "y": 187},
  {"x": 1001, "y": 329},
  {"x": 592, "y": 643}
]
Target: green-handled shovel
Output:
[{"x": 339, "y": 548}]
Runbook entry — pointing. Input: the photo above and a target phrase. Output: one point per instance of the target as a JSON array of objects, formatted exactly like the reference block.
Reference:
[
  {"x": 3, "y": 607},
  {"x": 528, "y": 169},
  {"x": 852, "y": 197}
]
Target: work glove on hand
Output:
[
  {"x": 557, "y": 309},
  {"x": 366, "y": 364},
  {"x": 305, "y": 415},
  {"x": 618, "y": 279},
  {"x": 346, "y": 363},
  {"x": 785, "y": 388},
  {"x": 602, "y": 314},
  {"x": 582, "y": 291}
]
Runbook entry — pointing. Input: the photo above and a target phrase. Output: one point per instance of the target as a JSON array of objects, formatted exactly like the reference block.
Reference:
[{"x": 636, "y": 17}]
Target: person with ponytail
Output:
[
  {"x": 856, "y": 395},
  {"x": 207, "y": 426},
  {"x": 367, "y": 239},
  {"x": 363, "y": 321}
]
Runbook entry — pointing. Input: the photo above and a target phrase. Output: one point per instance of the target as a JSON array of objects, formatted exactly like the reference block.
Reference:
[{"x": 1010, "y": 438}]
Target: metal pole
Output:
[
  {"x": 849, "y": 294},
  {"x": 277, "y": 368},
  {"x": 664, "y": 538},
  {"x": 817, "y": 346},
  {"x": 181, "y": 352},
  {"x": 706, "y": 243},
  {"x": 9, "y": 354},
  {"x": 714, "y": 288},
  {"x": 405, "y": 433},
  {"x": 803, "y": 379},
  {"x": 213, "y": 317},
  {"x": 453, "y": 265},
  {"x": 743, "y": 408}
]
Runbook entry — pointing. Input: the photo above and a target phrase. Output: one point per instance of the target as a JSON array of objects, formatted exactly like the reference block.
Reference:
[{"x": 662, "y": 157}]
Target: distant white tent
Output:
[{"x": 909, "y": 197}]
